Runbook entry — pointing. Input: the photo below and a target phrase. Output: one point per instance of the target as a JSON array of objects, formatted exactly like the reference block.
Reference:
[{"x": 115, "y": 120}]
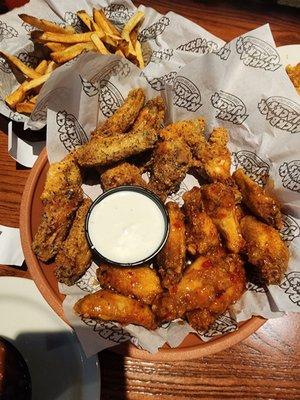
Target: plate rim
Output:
[
  {"x": 127, "y": 349},
  {"x": 92, "y": 362}
]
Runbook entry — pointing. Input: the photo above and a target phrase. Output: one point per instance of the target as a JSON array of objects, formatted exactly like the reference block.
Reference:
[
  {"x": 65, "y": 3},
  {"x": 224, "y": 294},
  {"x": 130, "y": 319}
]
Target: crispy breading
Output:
[
  {"x": 265, "y": 249},
  {"x": 171, "y": 161},
  {"x": 125, "y": 115},
  {"x": 140, "y": 282},
  {"x": 171, "y": 259},
  {"x": 100, "y": 151},
  {"x": 61, "y": 197},
  {"x": 219, "y": 203},
  {"x": 110, "y": 306},
  {"x": 122, "y": 174},
  {"x": 202, "y": 319},
  {"x": 257, "y": 200},
  {"x": 74, "y": 256},
  {"x": 201, "y": 233},
  {"x": 294, "y": 75},
  {"x": 203, "y": 281},
  {"x": 151, "y": 115}
]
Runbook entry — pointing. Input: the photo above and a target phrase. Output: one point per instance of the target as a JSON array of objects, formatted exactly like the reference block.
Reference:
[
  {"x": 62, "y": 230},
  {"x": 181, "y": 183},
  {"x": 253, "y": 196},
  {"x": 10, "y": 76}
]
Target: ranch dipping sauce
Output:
[{"x": 127, "y": 225}]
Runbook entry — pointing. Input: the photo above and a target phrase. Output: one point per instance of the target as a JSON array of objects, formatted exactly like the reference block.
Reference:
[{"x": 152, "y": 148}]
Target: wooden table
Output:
[{"x": 266, "y": 365}]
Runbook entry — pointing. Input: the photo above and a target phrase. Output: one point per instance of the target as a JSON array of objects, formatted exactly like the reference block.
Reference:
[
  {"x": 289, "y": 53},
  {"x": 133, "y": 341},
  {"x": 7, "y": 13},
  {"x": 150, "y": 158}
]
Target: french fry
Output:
[
  {"x": 54, "y": 46},
  {"x": 133, "y": 37},
  {"x": 104, "y": 23},
  {"x": 30, "y": 72},
  {"x": 25, "y": 107},
  {"x": 15, "y": 97},
  {"x": 72, "y": 38},
  {"x": 41, "y": 68},
  {"x": 71, "y": 52},
  {"x": 134, "y": 21},
  {"x": 87, "y": 20},
  {"x": 120, "y": 53},
  {"x": 45, "y": 25},
  {"x": 139, "y": 54},
  {"x": 35, "y": 82},
  {"x": 51, "y": 67},
  {"x": 99, "y": 44}
]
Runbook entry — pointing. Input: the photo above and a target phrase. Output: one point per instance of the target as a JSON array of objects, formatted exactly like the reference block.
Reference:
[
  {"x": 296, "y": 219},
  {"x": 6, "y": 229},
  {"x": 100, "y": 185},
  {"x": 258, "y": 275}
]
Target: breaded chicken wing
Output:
[
  {"x": 215, "y": 158},
  {"x": 122, "y": 174},
  {"x": 101, "y": 150},
  {"x": 201, "y": 233},
  {"x": 294, "y": 75},
  {"x": 171, "y": 162},
  {"x": 151, "y": 115},
  {"x": 257, "y": 200},
  {"x": 201, "y": 319},
  {"x": 203, "y": 281},
  {"x": 125, "y": 115},
  {"x": 141, "y": 282},
  {"x": 61, "y": 197},
  {"x": 219, "y": 203},
  {"x": 171, "y": 259},
  {"x": 74, "y": 256},
  {"x": 265, "y": 249},
  {"x": 110, "y": 306}
]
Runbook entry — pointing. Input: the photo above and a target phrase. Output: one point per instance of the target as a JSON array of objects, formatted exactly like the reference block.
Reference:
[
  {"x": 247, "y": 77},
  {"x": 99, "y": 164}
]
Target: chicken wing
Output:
[
  {"x": 171, "y": 162},
  {"x": 151, "y": 115},
  {"x": 265, "y": 249},
  {"x": 294, "y": 75},
  {"x": 171, "y": 260},
  {"x": 125, "y": 115},
  {"x": 202, "y": 319},
  {"x": 122, "y": 174},
  {"x": 219, "y": 203},
  {"x": 110, "y": 306},
  {"x": 257, "y": 200},
  {"x": 74, "y": 256},
  {"x": 204, "y": 280},
  {"x": 61, "y": 197},
  {"x": 201, "y": 233},
  {"x": 141, "y": 282},
  {"x": 106, "y": 150}
]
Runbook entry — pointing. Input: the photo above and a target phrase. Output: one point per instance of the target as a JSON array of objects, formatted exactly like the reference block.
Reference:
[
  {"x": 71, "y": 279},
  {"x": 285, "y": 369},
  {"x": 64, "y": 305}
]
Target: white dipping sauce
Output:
[{"x": 126, "y": 227}]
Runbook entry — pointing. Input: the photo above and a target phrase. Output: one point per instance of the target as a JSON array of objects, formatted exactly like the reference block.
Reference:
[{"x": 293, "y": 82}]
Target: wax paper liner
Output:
[{"x": 240, "y": 85}]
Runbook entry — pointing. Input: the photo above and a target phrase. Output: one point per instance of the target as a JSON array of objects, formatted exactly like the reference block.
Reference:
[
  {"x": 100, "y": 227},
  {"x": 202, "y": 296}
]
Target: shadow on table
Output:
[{"x": 56, "y": 366}]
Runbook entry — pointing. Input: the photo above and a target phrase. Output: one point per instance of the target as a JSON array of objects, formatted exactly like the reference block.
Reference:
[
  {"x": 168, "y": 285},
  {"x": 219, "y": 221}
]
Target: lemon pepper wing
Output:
[
  {"x": 151, "y": 115},
  {"x": 122, "y": 174}
]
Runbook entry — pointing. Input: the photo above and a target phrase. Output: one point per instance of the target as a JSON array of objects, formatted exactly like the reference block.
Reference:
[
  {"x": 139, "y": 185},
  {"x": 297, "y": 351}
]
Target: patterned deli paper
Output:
[{"x": 241, "y": 85}]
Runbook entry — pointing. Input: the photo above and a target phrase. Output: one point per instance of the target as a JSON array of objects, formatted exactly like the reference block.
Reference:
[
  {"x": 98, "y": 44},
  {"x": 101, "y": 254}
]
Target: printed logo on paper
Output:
[
  {"x": 71, "y": 132},
  {"x": 255, "y": 167},
  {"x": 115, "y": 68},
  {"x": 15, "y": 116},
  {"x": 204, "y": 46},
  {"x": 29, "y": 59},
  {"x": 6, "y": 31},
  {"x": 160, "y": 55},
  {"x": 291, "y": 286},
  {"x": 4, "y": 66},
  {"x": 290, "y": 175},
  {"x": 88, "y": 87},
  {"x": 118, "y": 14},
  {"x": 88, "y": 282},
  {"x": 186, "y": 94},
  {"x": 291, "y": 228},
  {"x": 154, "y": 30},
  {"x": 110, "y": 98},
  {"x": 160, "y": 83},
  {"x": 257, "y": 53},
  {"x": 28, "y": 28},
  {"x": 281, "y": 113},
  {"x": 73, "y": 20},
  {"x": 230, "y": 107},
  {"x": 224, "y": 324},
  {"x": 108, "y": 330}
]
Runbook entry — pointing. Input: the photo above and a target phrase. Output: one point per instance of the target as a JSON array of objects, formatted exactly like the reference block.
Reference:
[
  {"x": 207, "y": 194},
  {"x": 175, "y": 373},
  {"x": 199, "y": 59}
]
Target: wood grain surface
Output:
[{"x": 264, "y": 366}]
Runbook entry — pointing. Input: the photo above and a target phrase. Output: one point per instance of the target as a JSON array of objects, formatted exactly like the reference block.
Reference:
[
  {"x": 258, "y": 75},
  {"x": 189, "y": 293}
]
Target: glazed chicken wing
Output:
[
  {"x": 219, "y": 203},
  {"x": 125, "y": 115},
  {"x": 61, "y": 197},
  {"x": 171, "y": 260},
  {"x": 201, "y": 233},
  {"x": 110, "y": 306},
  {"x": 122, "y": 174},
  {"x": 151, "y": 115},
  {"x": 257, "y": 200},
  {"x": 171, "y": 162},
  {"x": 141, "y": 282},
  {"x": 265, "y": 249},
  {"x": 74, "y": 256},
  {"x": 106, "y": 150}
]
